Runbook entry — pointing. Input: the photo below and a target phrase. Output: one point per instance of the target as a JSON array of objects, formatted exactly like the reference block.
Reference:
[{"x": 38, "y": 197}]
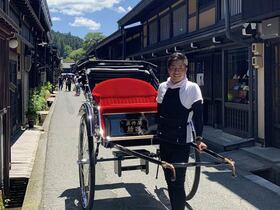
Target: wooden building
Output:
[
  {"x": 218, "y": 37},
  {"x": 26, "y": 57},
  {"x": 7, "y": 30}
]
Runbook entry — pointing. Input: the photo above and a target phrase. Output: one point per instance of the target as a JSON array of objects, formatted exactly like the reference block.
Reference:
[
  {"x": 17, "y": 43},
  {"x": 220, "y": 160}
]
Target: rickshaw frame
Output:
[{"x": 93, "y": 72}]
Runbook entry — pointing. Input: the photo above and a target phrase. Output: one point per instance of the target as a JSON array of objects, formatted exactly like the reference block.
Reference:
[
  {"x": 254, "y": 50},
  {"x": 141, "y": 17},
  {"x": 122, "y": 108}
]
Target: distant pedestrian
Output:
[
  {"x": 77, "y": 88},
  {"x": 68, "y": 83},
  {"x": 60, "y": 83}
]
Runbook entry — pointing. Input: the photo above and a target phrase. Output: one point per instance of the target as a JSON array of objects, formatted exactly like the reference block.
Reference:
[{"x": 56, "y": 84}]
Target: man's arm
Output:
[
  {"x": 197, "y": 118},
  {"x": 197, "y": 108}
]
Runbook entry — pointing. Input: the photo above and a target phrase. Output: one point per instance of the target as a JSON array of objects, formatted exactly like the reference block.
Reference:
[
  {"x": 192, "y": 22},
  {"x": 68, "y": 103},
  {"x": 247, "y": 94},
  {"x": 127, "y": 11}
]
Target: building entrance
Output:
[{"x": 206, "y": 71}]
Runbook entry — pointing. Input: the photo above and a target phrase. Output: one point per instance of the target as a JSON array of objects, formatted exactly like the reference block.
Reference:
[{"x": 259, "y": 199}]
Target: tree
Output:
[
  {"x": 92, "y": 39},
  {"x": 68, "y": 60},
  {"x": 67, "y": 50},
  {"x": 76, "y": 55},
  {"x": 62, "y": 40}
]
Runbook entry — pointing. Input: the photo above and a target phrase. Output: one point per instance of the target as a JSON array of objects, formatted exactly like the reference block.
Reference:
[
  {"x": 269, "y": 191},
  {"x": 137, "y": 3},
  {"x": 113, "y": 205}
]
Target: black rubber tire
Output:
[
  {"x": 196, "y": 177},
  {"x": 86, "y": 146}
]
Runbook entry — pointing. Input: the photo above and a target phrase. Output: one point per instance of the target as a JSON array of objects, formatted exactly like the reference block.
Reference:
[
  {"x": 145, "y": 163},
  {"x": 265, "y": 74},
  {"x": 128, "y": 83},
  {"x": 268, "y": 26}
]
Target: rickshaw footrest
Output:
[
  {"x": 133, "y": 167},
  {"x": 118, "y": 168}
]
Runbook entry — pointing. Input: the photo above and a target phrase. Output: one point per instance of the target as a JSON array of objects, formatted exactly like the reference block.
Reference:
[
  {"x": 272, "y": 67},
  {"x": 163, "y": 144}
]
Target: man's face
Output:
[{"x": 177, "y": 71}]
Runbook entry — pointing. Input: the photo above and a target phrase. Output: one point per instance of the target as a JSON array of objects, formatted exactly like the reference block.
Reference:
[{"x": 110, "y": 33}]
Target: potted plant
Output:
[
  {"x": 31, "y": 114},
  {"x": 32, "y": 109}
]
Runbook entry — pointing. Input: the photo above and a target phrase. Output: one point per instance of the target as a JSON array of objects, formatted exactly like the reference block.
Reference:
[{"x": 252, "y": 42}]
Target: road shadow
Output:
[
  {"x": 162, "y": 196},
  {"x": 71, "y": 197},
  {"x": 118, "y": 196},
  {"x": 16, "y": 136},
  {"x": 254, "y": 194}
]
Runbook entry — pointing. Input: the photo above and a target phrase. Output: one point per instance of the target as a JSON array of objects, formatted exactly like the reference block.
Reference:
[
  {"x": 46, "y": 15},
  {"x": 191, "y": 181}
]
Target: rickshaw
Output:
[{"x": 120, "y": 112}]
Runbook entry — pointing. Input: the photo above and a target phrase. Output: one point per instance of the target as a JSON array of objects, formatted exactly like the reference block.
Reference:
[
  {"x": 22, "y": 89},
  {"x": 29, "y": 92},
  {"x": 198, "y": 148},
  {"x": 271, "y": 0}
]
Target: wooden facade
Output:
[
  {"x": 217, "y": 37},
  {"x": 26, "y": 23},
  {"x": 7, "y": 28}
]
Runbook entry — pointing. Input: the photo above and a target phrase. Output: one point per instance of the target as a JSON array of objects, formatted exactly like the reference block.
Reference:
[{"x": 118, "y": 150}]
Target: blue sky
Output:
[{"x": 82, "y": 16}]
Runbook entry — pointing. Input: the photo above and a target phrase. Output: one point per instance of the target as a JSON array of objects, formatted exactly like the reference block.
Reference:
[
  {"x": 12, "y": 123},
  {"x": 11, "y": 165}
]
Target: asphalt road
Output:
[{"x": 134, "y": 190}]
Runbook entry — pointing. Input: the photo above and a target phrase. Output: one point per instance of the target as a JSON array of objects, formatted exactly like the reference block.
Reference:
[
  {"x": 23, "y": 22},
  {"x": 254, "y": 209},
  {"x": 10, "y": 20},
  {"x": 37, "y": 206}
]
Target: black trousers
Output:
[{"x": 174, "y": 153}]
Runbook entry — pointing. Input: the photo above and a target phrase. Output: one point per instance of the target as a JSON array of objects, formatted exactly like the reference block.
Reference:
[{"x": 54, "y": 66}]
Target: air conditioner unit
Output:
[
  {"x": 270, "y": 28},
  {"x": 257, "y": 62},
  {"x": 257, "y": 48}
]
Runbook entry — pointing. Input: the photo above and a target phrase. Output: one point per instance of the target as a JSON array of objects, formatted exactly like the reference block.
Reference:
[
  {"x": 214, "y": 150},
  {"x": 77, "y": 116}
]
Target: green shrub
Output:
[
  {"x": 45, "y": 90},
  {"x": 37, "y": 100}
]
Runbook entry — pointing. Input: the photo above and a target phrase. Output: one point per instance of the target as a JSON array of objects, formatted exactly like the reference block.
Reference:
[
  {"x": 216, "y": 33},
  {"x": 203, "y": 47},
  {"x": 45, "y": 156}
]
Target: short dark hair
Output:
[{"x": 177, "y": 56}]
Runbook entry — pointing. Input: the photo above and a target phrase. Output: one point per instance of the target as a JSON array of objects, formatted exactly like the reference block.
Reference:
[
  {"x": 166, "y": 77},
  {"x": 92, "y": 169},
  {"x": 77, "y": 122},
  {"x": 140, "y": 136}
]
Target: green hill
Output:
[{"x": 66, "y": 42}]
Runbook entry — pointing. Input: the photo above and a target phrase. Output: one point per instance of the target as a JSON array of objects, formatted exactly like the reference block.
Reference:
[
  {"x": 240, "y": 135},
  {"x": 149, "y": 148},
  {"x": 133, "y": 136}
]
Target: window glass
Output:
[
  {"x": 238, "y": 76},
  {"x": 207, "y": 18},
  {"x": 179, "y": 21},
  {"x": 13, "y": 71},
  {"x": 153, "y": 32},
  {"x": 192, "y": 24},
  {"x": 145, "y": 32},
  {"x": 192, "y": 6},
  {"x": 192, "y": 16},
  {"x": 165, "y": 27}
]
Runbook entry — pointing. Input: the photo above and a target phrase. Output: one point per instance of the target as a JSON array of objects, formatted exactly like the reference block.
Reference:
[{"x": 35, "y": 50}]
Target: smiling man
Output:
[{"x": 180, "y": 115}]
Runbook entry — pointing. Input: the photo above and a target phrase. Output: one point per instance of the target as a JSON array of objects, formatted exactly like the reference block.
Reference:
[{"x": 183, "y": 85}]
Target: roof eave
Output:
[{"x": 131, "y": 17}]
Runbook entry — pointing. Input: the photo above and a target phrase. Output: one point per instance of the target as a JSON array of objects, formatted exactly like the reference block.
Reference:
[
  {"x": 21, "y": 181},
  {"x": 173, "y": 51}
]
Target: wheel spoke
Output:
[{"x": 86, "y": 167}]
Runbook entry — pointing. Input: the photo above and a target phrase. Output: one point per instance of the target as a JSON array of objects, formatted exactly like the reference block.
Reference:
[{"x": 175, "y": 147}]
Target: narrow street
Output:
[
  {"x": 134, "y": 190},
  {"x": 61, "y": 174}
]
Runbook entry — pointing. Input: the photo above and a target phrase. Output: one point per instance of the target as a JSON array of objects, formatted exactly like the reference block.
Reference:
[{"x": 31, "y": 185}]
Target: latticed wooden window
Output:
[
  {"x": 238, "y": 76},
  {"x": 235, "y": 7},
  {"x": 165, "y": 27},
  {"x": 145, "y": 35},
  {"x": 153, "y": 32},
  {"x": 179, "y": 21}
]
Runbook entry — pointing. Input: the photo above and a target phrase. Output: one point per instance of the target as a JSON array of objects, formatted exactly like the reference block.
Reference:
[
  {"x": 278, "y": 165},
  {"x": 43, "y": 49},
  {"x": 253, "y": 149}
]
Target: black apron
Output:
[{"x": 173, "y": 118}]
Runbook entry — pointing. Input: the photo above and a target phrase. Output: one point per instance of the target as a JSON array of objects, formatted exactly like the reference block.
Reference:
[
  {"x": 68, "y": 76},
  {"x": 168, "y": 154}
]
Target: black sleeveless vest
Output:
[{"x": 173, "y": 118}]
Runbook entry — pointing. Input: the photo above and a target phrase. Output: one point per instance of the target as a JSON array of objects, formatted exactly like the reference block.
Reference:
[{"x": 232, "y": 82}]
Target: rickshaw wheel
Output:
[
  {"x": 192, "y": 175},
  {"x": 86, "y": 160}
]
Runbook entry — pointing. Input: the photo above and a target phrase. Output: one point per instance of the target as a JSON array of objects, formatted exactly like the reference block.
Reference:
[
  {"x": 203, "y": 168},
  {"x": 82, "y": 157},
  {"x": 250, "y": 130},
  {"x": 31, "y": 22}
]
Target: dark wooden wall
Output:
[
  {"x": 253, "y": 8},
  {"x": 5, "y": 103}
]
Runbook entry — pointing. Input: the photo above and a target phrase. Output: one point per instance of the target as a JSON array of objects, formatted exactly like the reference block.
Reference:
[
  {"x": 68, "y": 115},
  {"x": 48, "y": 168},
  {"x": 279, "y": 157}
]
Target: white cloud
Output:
[
  {"x": 56, "y": 19},
  {"x": 121, "y": 10},
  {"x": 53, "y": 10},
  {"x": 79, "y": 7},
  {"x": 85, "y": 22}
]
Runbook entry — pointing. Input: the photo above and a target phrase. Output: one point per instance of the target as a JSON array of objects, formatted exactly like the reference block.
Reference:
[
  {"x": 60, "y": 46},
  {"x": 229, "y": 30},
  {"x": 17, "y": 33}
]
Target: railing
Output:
[
  {"x": 237, "y": 118},
  {"x": 235, "y": 7},
  {"x": 2, "y": 113}
]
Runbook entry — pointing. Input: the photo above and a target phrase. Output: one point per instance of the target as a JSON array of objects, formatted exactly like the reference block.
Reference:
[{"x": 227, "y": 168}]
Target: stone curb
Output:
[{"x": 33, "y": 195}]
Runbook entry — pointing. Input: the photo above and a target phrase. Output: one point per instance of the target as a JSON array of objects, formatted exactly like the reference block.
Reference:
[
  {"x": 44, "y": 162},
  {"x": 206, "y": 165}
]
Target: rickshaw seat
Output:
[{"x": 125, "y": 95}]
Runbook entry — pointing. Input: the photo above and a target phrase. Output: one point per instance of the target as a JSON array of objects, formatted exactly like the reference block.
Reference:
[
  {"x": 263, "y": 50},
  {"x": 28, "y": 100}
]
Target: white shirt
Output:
[{"x": 189, "y": 93}]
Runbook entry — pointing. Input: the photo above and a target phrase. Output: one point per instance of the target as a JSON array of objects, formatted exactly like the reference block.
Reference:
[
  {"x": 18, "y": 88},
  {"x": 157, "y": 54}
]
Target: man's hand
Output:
[{"x": 200, "y": 145}]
